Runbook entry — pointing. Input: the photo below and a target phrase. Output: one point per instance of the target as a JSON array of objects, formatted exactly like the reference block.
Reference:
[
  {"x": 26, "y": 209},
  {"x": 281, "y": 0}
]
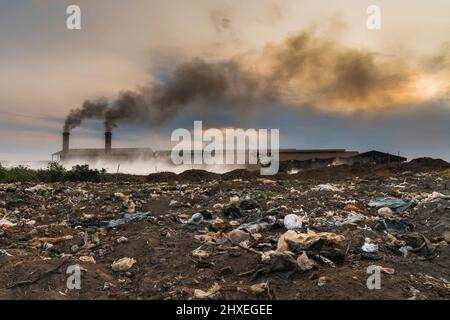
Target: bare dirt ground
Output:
[{"x": 205, "y": 236}]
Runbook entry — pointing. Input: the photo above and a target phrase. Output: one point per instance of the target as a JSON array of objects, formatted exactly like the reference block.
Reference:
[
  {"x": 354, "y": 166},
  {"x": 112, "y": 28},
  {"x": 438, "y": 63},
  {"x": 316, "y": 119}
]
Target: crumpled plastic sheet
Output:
[
  {"x": 399, "y": 205},
  {"x": 127, "y": 217}
]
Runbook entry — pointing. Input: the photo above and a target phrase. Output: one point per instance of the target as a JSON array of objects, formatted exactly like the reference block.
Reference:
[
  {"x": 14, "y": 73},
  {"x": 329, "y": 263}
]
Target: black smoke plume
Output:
[{"x": 89, "y": 110}]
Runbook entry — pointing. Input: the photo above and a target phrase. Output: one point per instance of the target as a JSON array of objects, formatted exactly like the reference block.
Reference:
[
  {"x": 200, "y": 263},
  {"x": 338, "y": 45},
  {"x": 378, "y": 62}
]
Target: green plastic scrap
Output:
[{"x": 399, "y": 205}]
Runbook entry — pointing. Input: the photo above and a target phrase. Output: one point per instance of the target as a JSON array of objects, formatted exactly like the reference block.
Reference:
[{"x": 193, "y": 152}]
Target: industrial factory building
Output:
[{"x": 285, "y": 155}]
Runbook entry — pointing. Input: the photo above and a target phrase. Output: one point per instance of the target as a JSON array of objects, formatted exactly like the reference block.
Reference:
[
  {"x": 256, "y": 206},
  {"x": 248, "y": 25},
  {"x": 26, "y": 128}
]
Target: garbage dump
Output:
[{"x": 230, "y": 236}]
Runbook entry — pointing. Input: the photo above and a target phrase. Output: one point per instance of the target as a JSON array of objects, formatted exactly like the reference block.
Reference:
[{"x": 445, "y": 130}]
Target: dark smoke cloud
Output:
[
  {"x": 210, "y": 84},
  {"x": 304, "y": 70},
  {"x": 89, "y": 110}
]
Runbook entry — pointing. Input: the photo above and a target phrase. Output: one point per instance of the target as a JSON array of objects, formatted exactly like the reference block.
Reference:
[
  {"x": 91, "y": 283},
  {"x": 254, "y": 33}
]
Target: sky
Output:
[{"x": 400, "y": 105}]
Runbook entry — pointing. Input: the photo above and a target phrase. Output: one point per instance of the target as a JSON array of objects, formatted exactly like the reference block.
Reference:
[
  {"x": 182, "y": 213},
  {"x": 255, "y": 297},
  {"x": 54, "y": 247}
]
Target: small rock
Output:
[
  {"x": 385, "y": 212},
  {"x": 234, "y": 200},
  {"x": 196, "y": 219},
  {"x": 122, "y": 239},
  {"x": 249, "y": 204},
  {"x": 234, "y": 252},
  {"x": 232, "y": 211},
  {"x": 237, "y": 236},
  {"x": 173, "y": 203},
  {"x": 304, "y": 262},
  {"x": 447, "y": 236},
  {"x": 322, "y": 281}
]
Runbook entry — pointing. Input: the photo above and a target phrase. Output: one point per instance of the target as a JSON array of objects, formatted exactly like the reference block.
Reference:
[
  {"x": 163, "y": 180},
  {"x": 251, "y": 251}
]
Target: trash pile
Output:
[{"x": 234, "y": 238}]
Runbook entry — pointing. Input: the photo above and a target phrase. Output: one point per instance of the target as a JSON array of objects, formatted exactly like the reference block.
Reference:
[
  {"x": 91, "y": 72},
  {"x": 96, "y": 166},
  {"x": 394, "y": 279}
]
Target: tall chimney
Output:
[
  {"x": 65, "y": 147},
  {"x": 108, "y": 137}
]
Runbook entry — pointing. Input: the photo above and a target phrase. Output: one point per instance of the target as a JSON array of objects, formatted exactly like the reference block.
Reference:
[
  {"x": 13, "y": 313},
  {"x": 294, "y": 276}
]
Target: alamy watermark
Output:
[
  {"x": 374, "y": 280},
  {"x": 373, "y": 21},
  {"x": 73, "y": 21},
  {"x": 74, "y": 280},
  {"x": 227, "y": 147}
]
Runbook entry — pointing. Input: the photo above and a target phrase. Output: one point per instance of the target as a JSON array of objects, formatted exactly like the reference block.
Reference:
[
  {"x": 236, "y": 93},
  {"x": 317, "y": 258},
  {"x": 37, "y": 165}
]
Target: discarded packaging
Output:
[
  {"x": 305, "y": 240},
  {"x": 304, "y": 262},
  {"x": 292, "y": 222},
  {"x": 6, "y": 223},
  {"x": 216, "y": 288},
  {"x": 369, "y": 247},
  {"x": 399, "y": 205},
  {"x": 127, "y": 217},
  {"x": 327, "y": 187},
  {"x": 123, "y": 264},
  {"x": 237, "y": 236}
]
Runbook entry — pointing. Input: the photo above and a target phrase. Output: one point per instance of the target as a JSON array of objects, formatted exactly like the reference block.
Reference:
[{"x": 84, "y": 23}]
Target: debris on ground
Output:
[
  {"x": 311, "y": 234},
  {"x": 123, "y": 264},
  {"x": 399, "y": 205}
]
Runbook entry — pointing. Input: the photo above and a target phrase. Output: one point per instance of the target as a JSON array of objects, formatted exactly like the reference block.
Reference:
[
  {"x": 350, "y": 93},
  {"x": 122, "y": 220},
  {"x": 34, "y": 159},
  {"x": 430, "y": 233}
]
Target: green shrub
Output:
[
  {"x": 18, "y": 174},
  {"x": 2, "y": 173},
  {"x": 55, "y": 172},
  {"x": 84, "y": 173}
]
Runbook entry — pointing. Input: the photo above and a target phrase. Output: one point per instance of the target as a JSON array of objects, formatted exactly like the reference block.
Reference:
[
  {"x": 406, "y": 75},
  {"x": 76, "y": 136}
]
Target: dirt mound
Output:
[
  {"x": 330, "y": 173},
  {"x": 161, "y": 177},
  {"x": 428, "y": 164},
  {"x": 240, "y": 174},
  {"x": 197, "y": 175},
  {"x": 308, "y": 172}
]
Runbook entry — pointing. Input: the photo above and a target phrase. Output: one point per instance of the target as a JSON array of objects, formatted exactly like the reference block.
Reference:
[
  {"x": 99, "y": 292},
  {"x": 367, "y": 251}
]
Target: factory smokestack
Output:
[
  {"x": 108, "y": 143},
  {"x": 65, "y": 147}
]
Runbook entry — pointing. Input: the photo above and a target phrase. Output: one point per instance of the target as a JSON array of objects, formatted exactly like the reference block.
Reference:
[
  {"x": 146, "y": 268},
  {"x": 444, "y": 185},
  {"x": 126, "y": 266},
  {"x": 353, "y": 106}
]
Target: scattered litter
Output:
[
  {"x": 230, "y": 229},
  {"x": 173, "y": 203},
  {"x": 200, "y": 253},
  {"x": 216, "y": 288},
  {"x": 396, "y": 226},
  {"x": 385, "y": 212},
  {"x": 447, "y": 236},
  {"x": 237, "y": 236},
  {"x": 87, "y": 259},
  {"x": 351, "y": 207},
  {"x": 292, "y": 222},
  {"x": 405, "y": 250},
  {"x": 262, "y": 225},
  {"x": 399, "y": 205},
  {"x": 351, "y": 218},
  {"x": 369, "y": 247},
  {"x": 127, "y": 217},
  {"x": 6, "y": 223},
  {"x": 276, "y": 262},
  {"x": 305, "y": 240},
  {"x": 196, "y": 219},
  {"x": 327, "y": 187},
  {"x": 322, "y": 281},
  {"x": 436, "y": 196},
  {"x": 304, "y": 262},
  {"x": 53, "y": 240},
  {"x": 3, "y": 251},
  {"x": 122, "y": 239},
  {"x": 123, "y": 264},
  {"x": 39, "y": 187}
]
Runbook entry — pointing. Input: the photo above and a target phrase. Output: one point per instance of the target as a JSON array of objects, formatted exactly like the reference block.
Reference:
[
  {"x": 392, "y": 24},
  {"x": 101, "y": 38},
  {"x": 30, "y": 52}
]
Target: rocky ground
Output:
[{"x": 310, "y": 235}]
